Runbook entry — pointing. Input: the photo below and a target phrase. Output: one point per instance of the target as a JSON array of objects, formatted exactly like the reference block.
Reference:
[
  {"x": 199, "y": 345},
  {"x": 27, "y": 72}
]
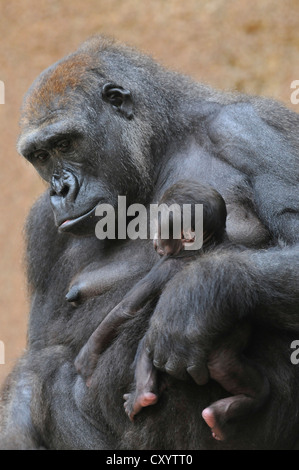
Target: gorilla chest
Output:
[{"x": 118, "y": 269}]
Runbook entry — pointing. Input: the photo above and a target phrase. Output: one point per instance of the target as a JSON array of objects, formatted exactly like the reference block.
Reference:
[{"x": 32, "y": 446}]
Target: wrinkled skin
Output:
[{"x": 107, "y": 121}]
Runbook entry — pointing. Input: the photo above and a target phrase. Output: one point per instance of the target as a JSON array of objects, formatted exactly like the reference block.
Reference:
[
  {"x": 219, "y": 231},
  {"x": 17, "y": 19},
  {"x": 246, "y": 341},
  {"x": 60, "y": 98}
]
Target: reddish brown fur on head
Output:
[
  {"x": 51, "y": 90},
  {"x": 52, "y": 87},
  {"x": 67, "y": 74}
]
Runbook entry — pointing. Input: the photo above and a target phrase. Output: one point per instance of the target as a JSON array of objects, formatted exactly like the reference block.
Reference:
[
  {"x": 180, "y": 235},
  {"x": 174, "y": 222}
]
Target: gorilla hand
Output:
[{"x": 197, "y": 307}]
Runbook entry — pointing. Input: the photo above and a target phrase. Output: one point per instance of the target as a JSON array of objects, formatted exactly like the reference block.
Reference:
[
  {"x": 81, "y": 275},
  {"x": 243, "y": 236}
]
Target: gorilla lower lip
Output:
[{"x": 69, "y": 223}]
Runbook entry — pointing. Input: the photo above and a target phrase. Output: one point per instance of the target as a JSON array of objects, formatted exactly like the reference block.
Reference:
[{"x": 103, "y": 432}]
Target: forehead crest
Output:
[{"x": 50, "y": 90}]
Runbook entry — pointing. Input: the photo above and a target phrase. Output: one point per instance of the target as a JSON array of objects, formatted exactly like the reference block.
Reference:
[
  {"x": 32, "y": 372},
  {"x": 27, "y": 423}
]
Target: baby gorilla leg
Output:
[
  {"x": 238, "y": 376},
  {"x": 144, "y": 392}
]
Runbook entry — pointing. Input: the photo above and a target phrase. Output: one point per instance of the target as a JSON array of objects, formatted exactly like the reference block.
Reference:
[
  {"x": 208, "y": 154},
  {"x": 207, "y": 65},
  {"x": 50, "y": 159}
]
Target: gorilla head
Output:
[{"x": 89, "y": 112}]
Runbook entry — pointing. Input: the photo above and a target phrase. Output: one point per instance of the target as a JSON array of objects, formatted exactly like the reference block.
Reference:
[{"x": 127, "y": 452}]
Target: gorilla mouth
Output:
[{"x": 69, "y": 224}]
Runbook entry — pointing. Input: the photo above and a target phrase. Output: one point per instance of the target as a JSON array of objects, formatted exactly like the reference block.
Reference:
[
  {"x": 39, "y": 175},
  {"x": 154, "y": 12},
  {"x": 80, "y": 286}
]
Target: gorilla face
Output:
[
  {"x": 59, "y": 153},
  {"x": 86, "y": 152}
]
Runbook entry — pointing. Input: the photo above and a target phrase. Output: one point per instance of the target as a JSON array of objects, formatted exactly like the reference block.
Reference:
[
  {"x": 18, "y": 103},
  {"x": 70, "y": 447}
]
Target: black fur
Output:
[{"x": 166, "y": 128}]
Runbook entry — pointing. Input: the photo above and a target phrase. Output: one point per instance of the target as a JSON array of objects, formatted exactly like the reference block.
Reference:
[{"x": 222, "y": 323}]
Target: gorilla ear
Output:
[{"x": 119, "y": 98}]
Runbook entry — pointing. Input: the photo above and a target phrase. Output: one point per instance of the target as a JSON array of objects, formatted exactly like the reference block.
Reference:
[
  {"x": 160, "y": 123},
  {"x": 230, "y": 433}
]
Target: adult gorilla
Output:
[{"x": 108, "y": 121}]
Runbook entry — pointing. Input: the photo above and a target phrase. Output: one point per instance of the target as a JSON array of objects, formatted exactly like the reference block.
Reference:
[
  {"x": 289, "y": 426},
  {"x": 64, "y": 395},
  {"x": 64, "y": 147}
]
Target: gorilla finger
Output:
[
  {"x": 199, "y": 373},
  {"x": 158, "y": 364},
  {"x": 160, "y": 357},
  {"x": 158, "y": 351},
  {"x": 176, "y": 368}
]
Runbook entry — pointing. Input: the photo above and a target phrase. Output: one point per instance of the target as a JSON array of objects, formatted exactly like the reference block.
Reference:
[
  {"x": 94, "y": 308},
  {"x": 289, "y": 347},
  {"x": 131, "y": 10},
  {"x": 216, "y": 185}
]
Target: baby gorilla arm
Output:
[{"x": 146, "y": 289}]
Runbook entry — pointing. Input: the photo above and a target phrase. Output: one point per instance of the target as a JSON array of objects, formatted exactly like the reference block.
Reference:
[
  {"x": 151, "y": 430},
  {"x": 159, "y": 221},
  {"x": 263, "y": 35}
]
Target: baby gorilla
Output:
[{"x": 226, "y": 364}]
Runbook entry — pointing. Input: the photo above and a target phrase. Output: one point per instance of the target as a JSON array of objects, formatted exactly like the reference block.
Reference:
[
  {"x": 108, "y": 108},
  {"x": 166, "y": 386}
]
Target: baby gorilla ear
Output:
[{"x": 119, "y": 98}]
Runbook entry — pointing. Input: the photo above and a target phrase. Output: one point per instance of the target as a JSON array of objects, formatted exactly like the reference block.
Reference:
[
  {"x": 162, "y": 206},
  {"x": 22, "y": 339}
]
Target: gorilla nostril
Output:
[
  {"x": 64, "y": 190},
  {"x": 65, "y": 186},
  {"x": 58, "y": 190}
]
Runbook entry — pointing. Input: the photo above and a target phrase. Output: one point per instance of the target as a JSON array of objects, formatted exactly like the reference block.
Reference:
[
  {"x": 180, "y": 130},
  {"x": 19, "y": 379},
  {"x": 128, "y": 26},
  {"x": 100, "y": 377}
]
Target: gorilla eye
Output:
[
  {"x": 41, "y": 155},
  {"x": 63, "y": 145}
]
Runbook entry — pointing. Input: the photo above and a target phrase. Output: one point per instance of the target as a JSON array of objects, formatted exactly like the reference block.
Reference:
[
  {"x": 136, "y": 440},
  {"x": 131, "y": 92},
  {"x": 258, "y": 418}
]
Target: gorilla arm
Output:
[
  {"x": 256, "y": 138},
  {"x": 146, "y": 289},
  {"x": 212, "y": 296},
  {"x": 248, "y": 137}
]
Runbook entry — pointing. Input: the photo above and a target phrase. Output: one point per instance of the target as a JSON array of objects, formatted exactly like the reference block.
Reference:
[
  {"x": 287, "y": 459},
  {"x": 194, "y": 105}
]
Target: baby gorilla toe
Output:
[{"x": 210, "y": 418}]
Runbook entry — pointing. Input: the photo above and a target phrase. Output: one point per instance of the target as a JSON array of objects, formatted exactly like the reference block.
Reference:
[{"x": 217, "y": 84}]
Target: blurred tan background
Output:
[{"x": 230, "y": 44}]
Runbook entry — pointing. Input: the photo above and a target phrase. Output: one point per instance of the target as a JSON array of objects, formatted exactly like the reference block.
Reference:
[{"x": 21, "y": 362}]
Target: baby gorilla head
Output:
[{"x": 191, "y": 193}]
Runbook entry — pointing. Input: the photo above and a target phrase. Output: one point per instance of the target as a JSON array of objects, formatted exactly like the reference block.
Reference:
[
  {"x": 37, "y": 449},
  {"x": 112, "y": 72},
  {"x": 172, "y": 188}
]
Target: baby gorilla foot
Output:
[
  {"x": 135, "y": 401},
  {"x": 210, "y": 418},
  {"x": 223, "y": 415}
]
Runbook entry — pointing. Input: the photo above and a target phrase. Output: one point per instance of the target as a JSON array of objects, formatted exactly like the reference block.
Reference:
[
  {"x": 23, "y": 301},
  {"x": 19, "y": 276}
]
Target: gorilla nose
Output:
[
  {"x": 60, "y": 189},
  {"x": 64, "y": 187}
]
